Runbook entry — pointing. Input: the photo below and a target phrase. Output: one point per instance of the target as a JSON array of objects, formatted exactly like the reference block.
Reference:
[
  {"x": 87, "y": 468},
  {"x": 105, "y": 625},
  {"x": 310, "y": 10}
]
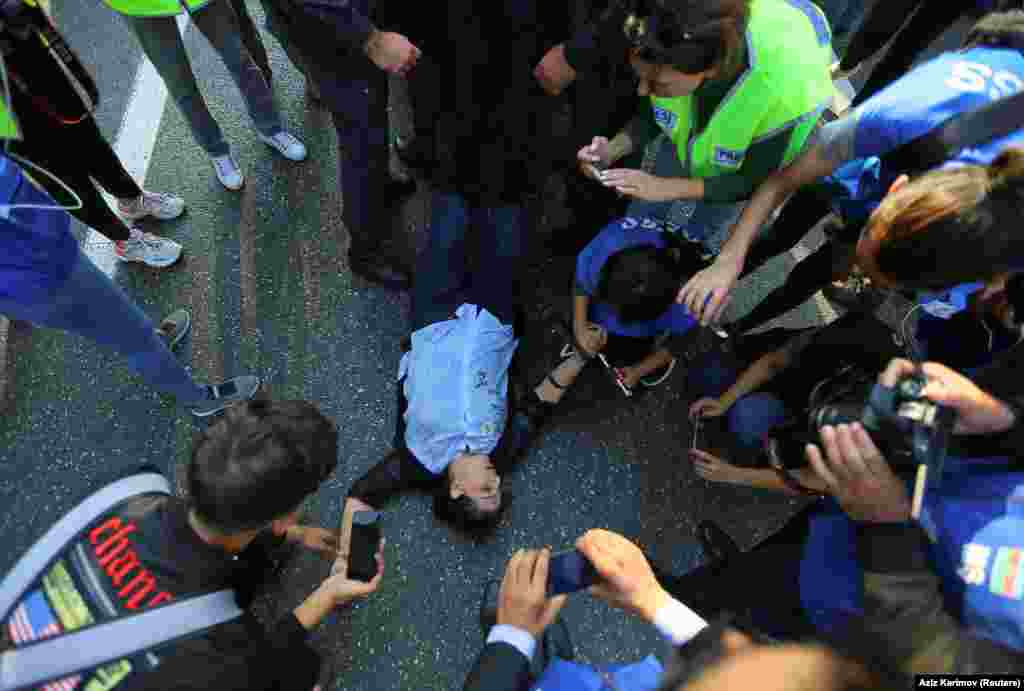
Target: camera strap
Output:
[{"x": 54, "y": 658}]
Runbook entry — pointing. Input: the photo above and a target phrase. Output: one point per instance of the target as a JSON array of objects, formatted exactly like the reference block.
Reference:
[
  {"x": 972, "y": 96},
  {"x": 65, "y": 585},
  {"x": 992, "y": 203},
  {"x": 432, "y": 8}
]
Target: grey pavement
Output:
[{"x": 265, "y": 276}]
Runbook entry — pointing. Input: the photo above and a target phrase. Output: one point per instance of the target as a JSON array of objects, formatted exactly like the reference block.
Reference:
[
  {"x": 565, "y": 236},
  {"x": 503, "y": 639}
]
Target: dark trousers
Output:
[
  {"x": 444, "y": 279},
  {"x": 78, "y": 155},
  {"x": 927, "y": 23},
  {"x": 762, "y": 584},
  {"x": 801, "y": 213}
]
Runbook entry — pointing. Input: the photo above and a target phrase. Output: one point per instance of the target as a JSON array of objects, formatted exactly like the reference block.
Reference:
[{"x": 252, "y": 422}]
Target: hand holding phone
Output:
[
  {"x": 362, "y": 555},
  {"x": 569, "y": 572}
]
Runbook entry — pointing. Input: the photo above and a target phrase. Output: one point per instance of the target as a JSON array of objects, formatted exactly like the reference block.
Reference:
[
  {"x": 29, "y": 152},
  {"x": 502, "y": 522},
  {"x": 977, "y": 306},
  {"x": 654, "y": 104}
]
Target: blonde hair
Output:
[{"x": 953, "y": 222}]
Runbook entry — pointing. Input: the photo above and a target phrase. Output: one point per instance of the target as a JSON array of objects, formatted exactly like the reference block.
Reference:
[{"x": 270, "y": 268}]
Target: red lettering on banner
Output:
[
  {"x": 118, "y": 560},
  {"x": 146, "y": 583},
  {"x": 161, "y": 597},
  {"x": 119, "y": 538},
  {"x": 119, "y": 568}
]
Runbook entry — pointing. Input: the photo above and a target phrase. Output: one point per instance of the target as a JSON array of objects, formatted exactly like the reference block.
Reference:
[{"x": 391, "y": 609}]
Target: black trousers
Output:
[
  {"x": 78, "y": 155},
  {"x": 762, "y": 584},
  {"x": 927, "y": 23}
]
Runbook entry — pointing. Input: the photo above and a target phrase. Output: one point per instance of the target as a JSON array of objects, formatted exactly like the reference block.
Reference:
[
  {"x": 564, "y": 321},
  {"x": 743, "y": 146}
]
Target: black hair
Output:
[
  {"x": 642, "y": 282},
  {"x": 259, "y": 462},
  {"x": 464, "y": 515},
  {"x": 997, "y": 30},
  {"x": 691, "y": 36}
]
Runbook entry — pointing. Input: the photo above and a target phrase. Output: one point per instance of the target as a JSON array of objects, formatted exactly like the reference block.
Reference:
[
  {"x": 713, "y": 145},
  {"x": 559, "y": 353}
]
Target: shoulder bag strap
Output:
[
  {"x": 61, "y": 656},
  {"x": 971, "y": 128}
]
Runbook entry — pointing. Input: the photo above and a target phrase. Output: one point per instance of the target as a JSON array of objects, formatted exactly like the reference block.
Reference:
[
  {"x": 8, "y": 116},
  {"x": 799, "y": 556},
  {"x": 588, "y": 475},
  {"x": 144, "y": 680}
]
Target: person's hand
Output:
[
  {"x": 858, "y": 477},
  {"x": 341, "y": 589},
  {"x": 591, "y": 338},
  {"x": 708, "y": 407},
  {"x": 630, "y": 376},
  {"x": 637, "y": 184},
  {"x": 553, "y": 71},
  {"x": 714, "y": 469},
  {"x": 627, "y": 580},
  {"x": 708, "y": 292},
  {"x": 522, "y": 600},
  {"x": 977, "y": 411},
  {"x": 594, "y": 158},
  {"x": 393, "y": 53},
  {"x": 318, "y": 539}
]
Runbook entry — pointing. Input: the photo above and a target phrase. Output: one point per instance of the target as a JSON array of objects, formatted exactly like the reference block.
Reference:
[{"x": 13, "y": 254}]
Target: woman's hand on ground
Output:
[
  {"x": 714, "y": 469},
  {"x": 708, "y": 407}
]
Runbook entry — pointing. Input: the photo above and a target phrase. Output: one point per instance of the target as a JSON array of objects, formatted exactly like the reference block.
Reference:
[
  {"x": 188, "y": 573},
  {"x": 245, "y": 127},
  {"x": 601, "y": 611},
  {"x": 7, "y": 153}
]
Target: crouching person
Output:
[{"x": 248, "y": 476}]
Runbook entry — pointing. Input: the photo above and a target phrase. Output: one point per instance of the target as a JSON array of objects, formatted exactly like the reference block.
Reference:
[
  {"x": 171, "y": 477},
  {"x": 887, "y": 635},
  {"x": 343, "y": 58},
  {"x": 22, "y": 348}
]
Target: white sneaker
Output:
[
  {"x": 156, "y": 204},
  {"x": 149, "y": 249},
  {"x": 228, "y": 172},
  {"x": 286, "y": 145}
]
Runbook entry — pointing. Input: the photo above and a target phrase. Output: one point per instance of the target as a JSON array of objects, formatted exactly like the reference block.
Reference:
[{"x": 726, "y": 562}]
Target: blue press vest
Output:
[{"x": 977, "y": 518}]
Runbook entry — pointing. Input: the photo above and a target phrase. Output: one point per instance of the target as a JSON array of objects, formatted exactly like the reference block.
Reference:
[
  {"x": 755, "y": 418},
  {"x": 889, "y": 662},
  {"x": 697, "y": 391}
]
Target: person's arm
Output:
[
  {"x": 390, "y": 51},
  {"x": 708, "y": 292},
  {"x": 762, "y": 371},
  {"x": 627, "y": 582},
  {"x": 903, "y": 607},
  {"x": 714, "y": 469},
  {"x": 524, "y": 612}
]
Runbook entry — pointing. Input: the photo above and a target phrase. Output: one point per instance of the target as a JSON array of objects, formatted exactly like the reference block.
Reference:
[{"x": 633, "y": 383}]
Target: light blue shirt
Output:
[{"x": 456, "y": 385}]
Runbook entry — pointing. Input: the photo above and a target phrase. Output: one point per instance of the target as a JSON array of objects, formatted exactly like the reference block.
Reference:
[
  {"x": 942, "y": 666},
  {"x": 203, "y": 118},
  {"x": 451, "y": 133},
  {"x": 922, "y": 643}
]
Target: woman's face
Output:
[
  {"x": 474, "y": 476},
  {"x": 663, "y": 81}
]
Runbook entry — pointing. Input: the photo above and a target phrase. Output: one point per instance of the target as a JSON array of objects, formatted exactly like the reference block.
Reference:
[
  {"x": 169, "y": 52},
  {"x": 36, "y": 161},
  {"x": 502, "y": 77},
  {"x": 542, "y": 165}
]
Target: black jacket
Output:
[
  {"x": 500, "y": 667},
  {"x": 494, "y": 136}
]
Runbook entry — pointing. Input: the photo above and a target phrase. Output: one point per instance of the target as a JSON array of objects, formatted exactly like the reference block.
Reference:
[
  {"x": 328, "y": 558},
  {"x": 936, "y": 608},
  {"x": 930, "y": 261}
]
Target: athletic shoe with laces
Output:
[
  {"x": 286, "y": 144},
  {"x": 658, "y": 376},
  {"x": 228, "y": 172},
  {"x": 227, "y": 394},
  {"x": 148, "y": 249},
  {"x": 159, "y": 205}
]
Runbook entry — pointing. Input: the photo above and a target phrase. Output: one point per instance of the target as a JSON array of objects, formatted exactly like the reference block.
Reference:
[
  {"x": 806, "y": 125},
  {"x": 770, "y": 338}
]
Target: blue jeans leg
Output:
[
  {"x": 501, "y": 242},
  {"x": 441, "y": 270},
  {"x": 91, "y": 305},
  {"x": 752, "y": 417}
]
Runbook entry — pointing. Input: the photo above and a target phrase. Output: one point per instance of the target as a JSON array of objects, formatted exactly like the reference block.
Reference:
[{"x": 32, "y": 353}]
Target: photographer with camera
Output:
[{"x": 941, "y": 594}]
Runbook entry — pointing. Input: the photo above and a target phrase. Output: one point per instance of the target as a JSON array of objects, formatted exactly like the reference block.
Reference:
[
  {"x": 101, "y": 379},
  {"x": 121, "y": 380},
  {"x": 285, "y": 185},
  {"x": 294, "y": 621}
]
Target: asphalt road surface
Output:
[{"x": 265, "y": 276}]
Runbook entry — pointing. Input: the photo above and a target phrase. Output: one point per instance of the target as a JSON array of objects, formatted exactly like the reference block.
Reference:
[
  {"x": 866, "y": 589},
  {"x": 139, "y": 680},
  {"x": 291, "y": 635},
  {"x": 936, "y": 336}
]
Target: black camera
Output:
[{"x": 908, "y": 428}]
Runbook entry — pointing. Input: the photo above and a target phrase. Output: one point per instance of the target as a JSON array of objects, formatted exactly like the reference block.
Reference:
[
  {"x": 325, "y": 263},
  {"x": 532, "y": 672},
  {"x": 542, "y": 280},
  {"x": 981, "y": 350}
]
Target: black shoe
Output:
[
  {"x": 716, "y": 543},
  {"x": 382, "y": 271},
  {"x": 489, "y": 606}
]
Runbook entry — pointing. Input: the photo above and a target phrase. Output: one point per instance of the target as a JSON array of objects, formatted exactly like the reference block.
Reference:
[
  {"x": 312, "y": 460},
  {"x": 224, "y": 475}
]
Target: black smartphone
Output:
[
  {"x": 570, "y": 571},
  {"x": 698, "y": 424},
  {"x": 362, "y": 550}
]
